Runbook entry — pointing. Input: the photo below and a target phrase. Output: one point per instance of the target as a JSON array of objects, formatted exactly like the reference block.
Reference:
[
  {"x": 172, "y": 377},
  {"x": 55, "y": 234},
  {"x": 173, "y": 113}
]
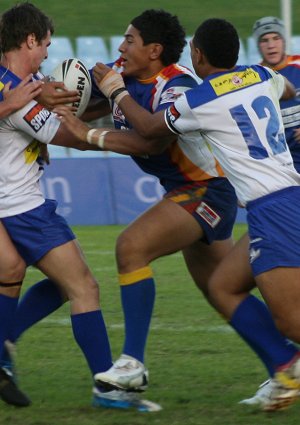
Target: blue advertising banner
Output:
[{"x": 95, "y": 191}]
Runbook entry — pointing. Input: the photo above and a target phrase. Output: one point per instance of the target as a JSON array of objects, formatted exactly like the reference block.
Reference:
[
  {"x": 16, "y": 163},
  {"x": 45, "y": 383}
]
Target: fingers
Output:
[
  {"x": 26, "y": 80},
  {"x": 7, "y": 87}
]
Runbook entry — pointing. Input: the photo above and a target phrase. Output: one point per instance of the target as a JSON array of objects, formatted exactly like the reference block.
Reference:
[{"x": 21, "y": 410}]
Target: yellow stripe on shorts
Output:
[{"x": 136, "y": 276}]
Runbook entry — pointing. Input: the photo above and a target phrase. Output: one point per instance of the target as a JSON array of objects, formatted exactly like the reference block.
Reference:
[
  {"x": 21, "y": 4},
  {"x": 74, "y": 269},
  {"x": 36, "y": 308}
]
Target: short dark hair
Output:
[
  {"x": 159, "y": 26},
  {"x": 219, "y": 41},
  {"x": 20, "y": 21}
]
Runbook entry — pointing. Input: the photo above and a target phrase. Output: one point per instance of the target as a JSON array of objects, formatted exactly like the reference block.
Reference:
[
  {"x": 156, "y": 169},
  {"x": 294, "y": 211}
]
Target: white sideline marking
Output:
[{"x": 215, "y": 329}]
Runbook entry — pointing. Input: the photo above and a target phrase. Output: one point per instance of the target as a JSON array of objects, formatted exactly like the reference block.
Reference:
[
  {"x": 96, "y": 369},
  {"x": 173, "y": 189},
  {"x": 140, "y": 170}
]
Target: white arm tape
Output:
[{"x": 90, "y": 134}]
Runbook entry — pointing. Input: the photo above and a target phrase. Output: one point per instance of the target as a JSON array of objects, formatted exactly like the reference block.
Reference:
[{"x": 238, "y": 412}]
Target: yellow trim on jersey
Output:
[
  {"x": 32, "y": 152},
  {"x": 234, "y": 81},
  {"x": 136, "y": 276},
  {"x": 1, "y": 86}
]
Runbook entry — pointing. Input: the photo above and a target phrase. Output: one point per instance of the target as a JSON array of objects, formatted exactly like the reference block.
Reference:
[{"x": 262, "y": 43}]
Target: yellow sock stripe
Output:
[
  {"x": 136, "y": 276},
  {"x": 287, "y": 381}
]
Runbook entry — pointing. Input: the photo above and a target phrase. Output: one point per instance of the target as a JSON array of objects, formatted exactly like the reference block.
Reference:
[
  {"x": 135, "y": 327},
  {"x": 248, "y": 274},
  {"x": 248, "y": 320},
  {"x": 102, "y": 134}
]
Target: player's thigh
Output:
[
  {"x": 12, "y": 266},
  {"x": 202, "y": 259},
  {"x": 66, "y": 266},
  {"x": 163, "y": 229}
]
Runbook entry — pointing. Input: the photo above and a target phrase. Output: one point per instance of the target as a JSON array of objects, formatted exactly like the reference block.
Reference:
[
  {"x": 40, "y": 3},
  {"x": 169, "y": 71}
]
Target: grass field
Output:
[
  {"x": 199, "y": 368},
  {"x": 105, "y": 18}
]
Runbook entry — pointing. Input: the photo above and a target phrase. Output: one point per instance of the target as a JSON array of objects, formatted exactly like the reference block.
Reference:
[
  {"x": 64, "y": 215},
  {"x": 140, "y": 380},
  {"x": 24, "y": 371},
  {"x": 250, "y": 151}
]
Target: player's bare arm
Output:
[
  {"x": 18, "y": 97},
  {"x": 289, "y": 90},
  {"x": 112, "y": 86},
  {"x": 126, "y": 142}
]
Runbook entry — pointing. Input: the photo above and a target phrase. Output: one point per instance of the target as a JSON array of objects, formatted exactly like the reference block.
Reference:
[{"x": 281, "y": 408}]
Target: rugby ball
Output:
[{"x": 74, "y": 74}]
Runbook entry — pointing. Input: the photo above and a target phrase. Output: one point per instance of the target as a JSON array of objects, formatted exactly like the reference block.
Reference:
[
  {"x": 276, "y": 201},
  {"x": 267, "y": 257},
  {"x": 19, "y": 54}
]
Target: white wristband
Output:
[
  {"x": 90, "y": 134},
  {"x": 120, "y": 96},
  {"x": 100, "y": 142}
]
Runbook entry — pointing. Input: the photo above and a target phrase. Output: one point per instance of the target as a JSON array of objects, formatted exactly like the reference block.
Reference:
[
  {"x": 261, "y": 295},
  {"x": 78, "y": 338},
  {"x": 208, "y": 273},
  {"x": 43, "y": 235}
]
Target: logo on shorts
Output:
[
  {"x": 253, "y": 254},
  {"x": 209, "y": 215},
  {"x": 37, "y": 117}
]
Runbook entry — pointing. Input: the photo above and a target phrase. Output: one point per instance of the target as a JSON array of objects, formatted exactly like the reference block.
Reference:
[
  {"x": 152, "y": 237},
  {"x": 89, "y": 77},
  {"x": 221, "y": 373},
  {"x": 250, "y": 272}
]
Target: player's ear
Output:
[
  {"x": 156, "y": 51},
  {"x": 31, "y": 41}
]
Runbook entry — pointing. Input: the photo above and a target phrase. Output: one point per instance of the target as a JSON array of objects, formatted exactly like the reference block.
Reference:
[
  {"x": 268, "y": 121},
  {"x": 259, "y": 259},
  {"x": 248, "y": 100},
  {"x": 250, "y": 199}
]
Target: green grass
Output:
[
  {"x": 199, "y": 368},
  {"x": 103, "y": 17}
]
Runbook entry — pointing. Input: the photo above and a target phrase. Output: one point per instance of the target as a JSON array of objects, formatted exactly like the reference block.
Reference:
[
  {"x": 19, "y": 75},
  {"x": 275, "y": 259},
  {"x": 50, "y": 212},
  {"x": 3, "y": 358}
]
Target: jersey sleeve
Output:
[
  {"x": 35, "y": 121},
  {"x": 278, "y": 82},
  {"x": 174, "y": 89},
  {"x": 180, "y": 118}
]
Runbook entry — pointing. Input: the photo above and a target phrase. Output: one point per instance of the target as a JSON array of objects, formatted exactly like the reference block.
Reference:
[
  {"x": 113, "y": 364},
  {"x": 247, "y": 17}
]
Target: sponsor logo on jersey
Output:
[
  {"x": 172, "y": 114},
  {"x": 170, "y": 95},
  {"x": 208, "y": 214},
  {"x": 37, "y": 117},
  {"x": 234, "y": 81},
  {"x": 118, "y": 114}
]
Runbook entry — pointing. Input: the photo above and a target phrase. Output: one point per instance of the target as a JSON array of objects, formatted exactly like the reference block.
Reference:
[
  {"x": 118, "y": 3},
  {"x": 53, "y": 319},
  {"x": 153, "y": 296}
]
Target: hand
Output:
[
  {"x": 23, "y": 93},
  {"x": 107, "y": 79},
  {"x": 55, "y": 93},
  {"x": 72, "y": 123},
  {"x": 297, "y": 134}
]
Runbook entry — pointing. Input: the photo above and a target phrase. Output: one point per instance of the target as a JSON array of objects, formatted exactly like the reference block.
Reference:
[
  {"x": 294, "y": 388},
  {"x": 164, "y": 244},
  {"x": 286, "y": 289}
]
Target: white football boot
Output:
[
  {"x": 262, "y": 394},
  {"x": 120, "y": 399},
  {"x": 279, "y": 392},
  {"x": 127, "y": 373}
]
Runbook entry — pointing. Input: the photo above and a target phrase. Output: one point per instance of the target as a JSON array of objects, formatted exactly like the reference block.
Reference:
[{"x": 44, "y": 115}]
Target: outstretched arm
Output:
[{"x": 126, "y": 142}]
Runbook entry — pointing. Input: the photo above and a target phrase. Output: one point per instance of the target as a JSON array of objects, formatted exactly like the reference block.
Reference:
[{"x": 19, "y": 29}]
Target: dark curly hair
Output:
[
  {"x": 219, "y": 41},
  {"x": 159, "y": 26},
  {"x": 20, "y": 21}
]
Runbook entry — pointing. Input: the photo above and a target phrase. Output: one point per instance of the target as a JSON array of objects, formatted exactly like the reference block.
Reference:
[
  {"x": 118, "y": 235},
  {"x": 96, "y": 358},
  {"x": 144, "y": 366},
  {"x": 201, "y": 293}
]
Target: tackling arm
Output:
[
  {"x": 111, "y": 84},
  {"x": 126, "y": 142}
]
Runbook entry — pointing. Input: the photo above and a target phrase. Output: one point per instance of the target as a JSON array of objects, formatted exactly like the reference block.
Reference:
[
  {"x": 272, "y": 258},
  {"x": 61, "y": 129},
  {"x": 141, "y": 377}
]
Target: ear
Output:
[
  {"x": 31, "y": 41},
  {"x": 156, "y": 51}
]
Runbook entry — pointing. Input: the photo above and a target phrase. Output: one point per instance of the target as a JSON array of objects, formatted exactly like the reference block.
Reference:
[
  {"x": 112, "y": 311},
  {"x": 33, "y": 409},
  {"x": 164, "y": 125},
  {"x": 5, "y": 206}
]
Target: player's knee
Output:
[
  {"x": 127, "y": 250},
  {"x": 14, "y": 270}
]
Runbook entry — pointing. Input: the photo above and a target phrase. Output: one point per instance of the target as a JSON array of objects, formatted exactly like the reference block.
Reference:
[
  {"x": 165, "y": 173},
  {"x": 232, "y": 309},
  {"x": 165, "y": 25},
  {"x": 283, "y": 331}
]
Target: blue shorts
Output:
[
  {"x": 36, "y": 232},
  {"x": 274, "y": 230},
  {"x": 212, "y": 203}
]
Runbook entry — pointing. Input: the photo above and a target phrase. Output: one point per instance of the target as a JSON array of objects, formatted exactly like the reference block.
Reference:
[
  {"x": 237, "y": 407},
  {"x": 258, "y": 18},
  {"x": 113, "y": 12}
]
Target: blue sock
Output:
[
  {"x": 254, "y": 323},
  {"x": 8, "y": 307},
  {"x": 137, "y": 301},
  {"x": 39, "y": 301},
  {"x": 91, "y": 336}
]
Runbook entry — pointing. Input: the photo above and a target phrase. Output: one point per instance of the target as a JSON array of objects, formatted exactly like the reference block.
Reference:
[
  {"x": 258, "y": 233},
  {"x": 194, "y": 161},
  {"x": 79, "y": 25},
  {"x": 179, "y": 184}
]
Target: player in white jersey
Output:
[
  {"x": 269, "y": 34},
  {"x": 41, "y": 236},
  {"x": 237, "y": 110},
  {"x": 12, "y": 266}
]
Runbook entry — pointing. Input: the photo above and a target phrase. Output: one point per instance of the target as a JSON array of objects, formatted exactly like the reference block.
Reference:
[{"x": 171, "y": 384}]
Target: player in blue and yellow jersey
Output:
[
  {"x": 179, "y": 222},
  {"x": 198, "y": 211}
]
